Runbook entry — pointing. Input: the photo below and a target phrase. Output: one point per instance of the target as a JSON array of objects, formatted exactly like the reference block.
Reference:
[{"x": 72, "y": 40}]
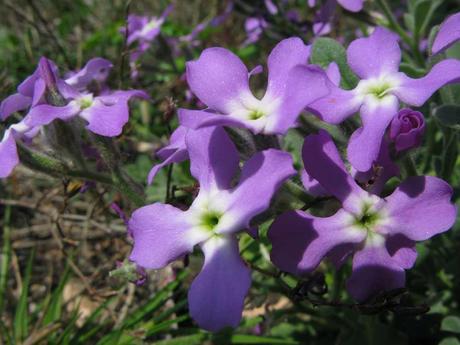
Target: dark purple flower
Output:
[
  {"x": 163, "y": 233},
  {"x": 221, "y": 81},
  {"x": 448, "y": 34},
  {"x": 407, "y": 129},
  {"x": 380, "y": 233},
  {"x": 375, "y": 60}
]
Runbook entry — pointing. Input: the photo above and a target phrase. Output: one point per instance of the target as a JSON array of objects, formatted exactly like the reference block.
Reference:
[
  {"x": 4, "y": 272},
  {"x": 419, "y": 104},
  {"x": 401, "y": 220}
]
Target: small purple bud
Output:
[
  {"x": 47, "y": 73},
  {"x": 407, "y": 129}
]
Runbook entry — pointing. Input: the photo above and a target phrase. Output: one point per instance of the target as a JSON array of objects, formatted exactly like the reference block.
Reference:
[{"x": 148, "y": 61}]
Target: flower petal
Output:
[
  {"x": 352, "y": 5},
  {"x": 304, "y": 85},
  {"x": 376, "y": 55},
  {"x": 421, "y": 208},
  {"x": 95, "y": 69},
  {"x": 44, "y": 114},
  {"x": 176, "y": 157},
  {"x": 197, "y": 119},
  {"x": 364, "y": 144},
  {"x": 161, "y": 235},
  {"x": 402, "y": 250},
  {"x": 312, "y": 186},
  {"x": 374, "y": 271},
  {"x": 262, "y": 175},
  {"x": 214, "y": 158},
  {"x": 416, "y": 91},
  {"x": 217, "y": 78},
  {"x": 8, "y": 154},
  {"x": 13, "y": 103},
  {"x": 448, "y": 34},
  {"x": 322, "y": 162},
  {"x": 216, "y": 296},
  {"x": 300, "y": 241},
  {"x": 287, "y": 54}
]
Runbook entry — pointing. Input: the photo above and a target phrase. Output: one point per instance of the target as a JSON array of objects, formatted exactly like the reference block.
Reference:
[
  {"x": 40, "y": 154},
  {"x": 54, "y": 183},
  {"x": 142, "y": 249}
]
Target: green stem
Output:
[{"x": 409, "y": 166}]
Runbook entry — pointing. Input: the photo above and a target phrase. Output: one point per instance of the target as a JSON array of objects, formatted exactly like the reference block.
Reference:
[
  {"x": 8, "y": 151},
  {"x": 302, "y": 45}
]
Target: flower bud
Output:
[
  {"x": 407, "y": 129},
  {"x": 47, "y": 73}
]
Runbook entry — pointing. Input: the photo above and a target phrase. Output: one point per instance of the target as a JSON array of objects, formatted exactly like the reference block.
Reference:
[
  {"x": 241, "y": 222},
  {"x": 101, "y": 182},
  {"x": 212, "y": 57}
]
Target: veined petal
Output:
[
  {"x": 44, "y": 114},
  {"x": 364, "y": 144},
  {"x": 216, "y": 296},
  {"x": 374, "y": 271},
  {"x": 287, "y": 54},
  {"x": 13, "y": 103},
  {"x": 322, "y": 162},
  {"x": 300, "y": 241},
  {"x": 417, "y": 91},
  {"x": 161, "y": 235},
  {"x": 217, "y": 78},
  {"x": 214, "y": 158},
  {"x": 262, "y": 175},
  {"x": 421, "y": 208},
  {"x": 8, "y": 154},
  {"x": 337, "y": 105},
  {"x": 376, "y": 55},
  {"x": 448, "y": 34},
  {"x": 304, "y": 85}
]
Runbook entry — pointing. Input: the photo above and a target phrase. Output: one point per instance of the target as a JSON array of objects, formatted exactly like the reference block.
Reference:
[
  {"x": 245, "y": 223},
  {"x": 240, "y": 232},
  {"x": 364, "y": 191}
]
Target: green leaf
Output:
[
  {"x": 53, "y": 310},
  {"x": 21, "y": 317},
  {"x": 448, "y": 115},
  {"x": 450, "y": 341},
  {"x": 451, "y": 324},
  {"x": 194, "y": 339},
  {"x": 326, "y": 50},
  {"x": 254, "y": 339},
  {"x": 156, "y": 302},
  {"x": 165, "y": 325}
]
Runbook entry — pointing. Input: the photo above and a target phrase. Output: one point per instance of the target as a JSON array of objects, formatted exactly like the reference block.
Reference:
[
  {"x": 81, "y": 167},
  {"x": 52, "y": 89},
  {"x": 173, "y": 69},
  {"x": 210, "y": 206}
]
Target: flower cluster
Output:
[
  {"x": 45, "y": 97},
  {"x": 379, "y": 230}
]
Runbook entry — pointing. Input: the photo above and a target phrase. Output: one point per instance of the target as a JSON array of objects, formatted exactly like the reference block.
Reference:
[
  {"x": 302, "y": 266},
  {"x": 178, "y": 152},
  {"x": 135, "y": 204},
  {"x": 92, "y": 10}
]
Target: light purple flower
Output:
[
  {"x": 96, "y": 69},
  {"x": 254, "y": 27},
  {"x": 448, "y": 34},
  {"x": 350, "y": 5},
  {"x": 174, "y": 152},
  {"x": 407, "y": 129},
  {"x": 106, "y": 114},
  {"x": 380, "y": 232},
  {"x": 375, "y": 60},
  {"x": 221, "y": 81},
  {"x": 163, "y": 233}
]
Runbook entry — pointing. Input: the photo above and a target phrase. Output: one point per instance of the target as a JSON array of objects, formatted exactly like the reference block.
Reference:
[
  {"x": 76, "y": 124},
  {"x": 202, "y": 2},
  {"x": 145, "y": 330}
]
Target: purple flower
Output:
[
  {"x": 96, "y": 69},
  {"x": 448, "y": 34},
  {"x": 163, "y": 233},
  {"x": 221, "y": 81},
  {"x": 407, "y": 129},
  {"x": 254, "y": 27},
  {"x": 106, "y": 114},
  {"x": 375, "y": 60},
  {"x": 350, "y": 5},
  {"x": 174, "y": 152},
  {"x": 379, "y": 232}
]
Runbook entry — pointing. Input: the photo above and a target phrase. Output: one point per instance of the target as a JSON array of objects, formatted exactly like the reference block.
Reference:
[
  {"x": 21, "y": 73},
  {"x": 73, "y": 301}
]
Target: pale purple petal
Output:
[
  {"x": 374, "y": 272},
  {"x": 352, "y": 5},
  {"x": 176, "y": 157},
  {"x": 300, "y": 241},
  {"x": 13, "y": 103},
  {"x": 214, "y": 158},
  {"x": 216, "y": 296},
  {"x": 322, "y": 162},
  {"x": 402, "y": 250},
  {"x": 335, "y": 107},
  {"x": 417, "y": 91},
  {"x": 421, "y": 208},
  {"x": 44, "y": 114},
  {"x": 448, "y": 34},
  {"x": 196, "y": 119},
  {"x": 333, "y": 73},
  {"x": 217, "y": 78},
  {"x": 97, "y": 69},
  {"x": 161, "y": 235},
  {"x": 8, "y": 154},
  {"x": 287, "y": 54},
  {"x": 262, "y": 175},
  {"x": 304, "y": 85},
  {"x": 312, "y": 186},
  {"x": 376, "y": 55},
  {"x": 364, "y": 144}
]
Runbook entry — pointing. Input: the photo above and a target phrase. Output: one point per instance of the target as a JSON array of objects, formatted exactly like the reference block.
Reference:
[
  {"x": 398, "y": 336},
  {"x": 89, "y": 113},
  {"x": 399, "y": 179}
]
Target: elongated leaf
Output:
[
  {"x": 53, "y": 311},
  {"x": 21, "y": 317},
  {"x": 5, "y": 257},
  {"x": 194, "y": 339},
  {"x": 165, "y": 325},
  {"x": 254, "y": 339}
]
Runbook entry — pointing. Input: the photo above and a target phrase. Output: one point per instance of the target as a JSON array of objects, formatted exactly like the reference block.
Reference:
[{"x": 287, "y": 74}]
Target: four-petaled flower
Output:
[
  {"x": 163, "y": 233},
  {"x": 381, "y": 232}
]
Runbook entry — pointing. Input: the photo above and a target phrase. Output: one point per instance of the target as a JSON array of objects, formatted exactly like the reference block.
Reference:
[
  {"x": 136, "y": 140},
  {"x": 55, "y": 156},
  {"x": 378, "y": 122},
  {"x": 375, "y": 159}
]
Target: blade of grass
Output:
[
  {"x": 5, "y": 257},
  {"x": 165, "y": 325},
  {"x": 21, "y": 317},
  {"x": 54, "y": 308}
]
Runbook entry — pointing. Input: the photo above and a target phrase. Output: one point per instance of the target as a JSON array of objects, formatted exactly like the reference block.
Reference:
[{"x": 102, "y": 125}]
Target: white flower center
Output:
[
  {"x": 153, "y": 24},
  {"x": 85, "y": 101},
  {"x": 376, "y": 91}
]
